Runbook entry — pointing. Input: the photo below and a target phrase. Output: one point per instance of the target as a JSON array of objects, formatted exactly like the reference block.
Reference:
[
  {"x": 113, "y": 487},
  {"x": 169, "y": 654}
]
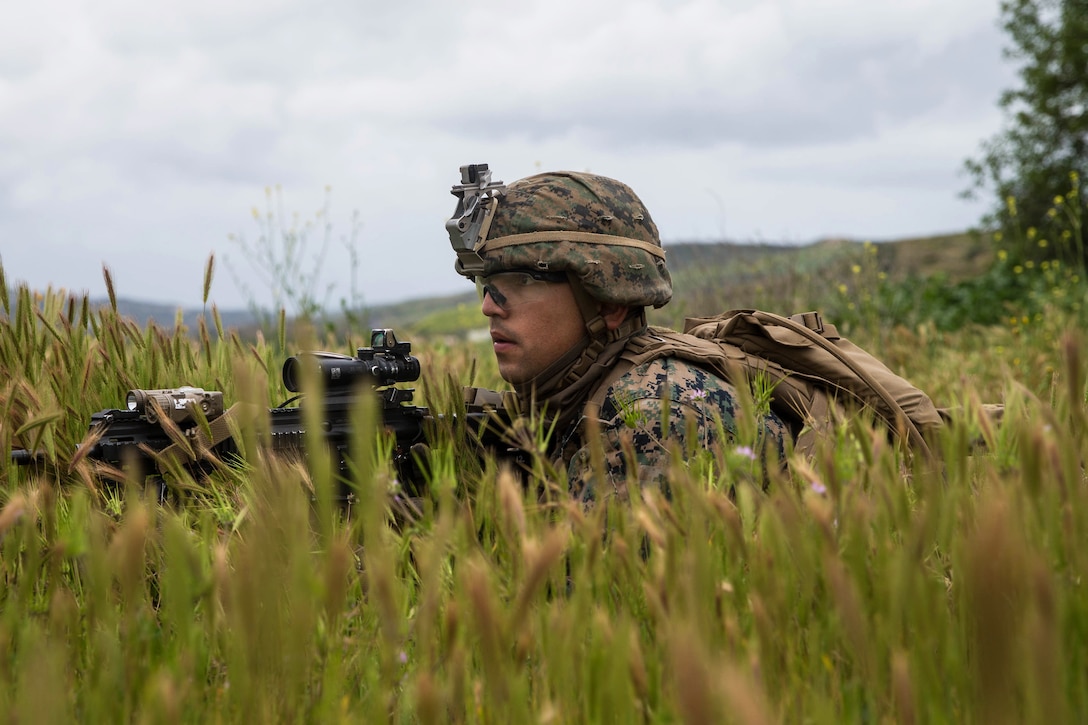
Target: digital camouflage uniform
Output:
[
  {"x": 651, "y": 411},
  {"x": 599, "y": 233}
]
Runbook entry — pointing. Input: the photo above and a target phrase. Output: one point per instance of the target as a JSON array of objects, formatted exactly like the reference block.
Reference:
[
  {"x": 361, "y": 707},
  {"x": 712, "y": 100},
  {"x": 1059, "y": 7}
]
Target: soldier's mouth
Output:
[{"x": 500, "y": 341}]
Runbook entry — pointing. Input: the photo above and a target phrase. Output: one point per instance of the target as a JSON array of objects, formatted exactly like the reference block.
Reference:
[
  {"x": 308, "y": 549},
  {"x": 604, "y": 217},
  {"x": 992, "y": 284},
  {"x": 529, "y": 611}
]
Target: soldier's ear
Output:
[{"x": 613, "y": 314}]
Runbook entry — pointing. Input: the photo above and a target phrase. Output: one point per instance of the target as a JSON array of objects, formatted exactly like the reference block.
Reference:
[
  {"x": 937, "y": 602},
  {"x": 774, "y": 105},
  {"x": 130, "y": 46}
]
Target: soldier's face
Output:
[{"x": 529, "y": 336}]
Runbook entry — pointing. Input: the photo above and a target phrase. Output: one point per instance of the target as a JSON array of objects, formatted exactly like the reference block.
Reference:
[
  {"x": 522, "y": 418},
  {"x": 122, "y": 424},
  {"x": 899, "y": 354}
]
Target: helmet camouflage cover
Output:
[{"x": 591, "y": 227}]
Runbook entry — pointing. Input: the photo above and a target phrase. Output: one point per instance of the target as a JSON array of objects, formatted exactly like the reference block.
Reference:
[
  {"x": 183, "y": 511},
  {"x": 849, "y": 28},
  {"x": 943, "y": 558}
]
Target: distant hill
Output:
[
  {"x": 706, "y": 277},
  {"x": 714, "y": 277},
  {"x": 167, "y": 315}
]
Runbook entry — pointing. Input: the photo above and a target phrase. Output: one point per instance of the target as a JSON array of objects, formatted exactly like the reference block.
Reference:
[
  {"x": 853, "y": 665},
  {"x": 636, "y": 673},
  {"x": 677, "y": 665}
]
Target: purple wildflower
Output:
[{"x": 747, "y": 452}]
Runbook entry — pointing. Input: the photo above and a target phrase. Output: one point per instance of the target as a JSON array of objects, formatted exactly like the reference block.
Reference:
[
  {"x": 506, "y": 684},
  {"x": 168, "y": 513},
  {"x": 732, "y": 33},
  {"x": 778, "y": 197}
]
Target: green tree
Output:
[{"x": 1035, "y": 164}]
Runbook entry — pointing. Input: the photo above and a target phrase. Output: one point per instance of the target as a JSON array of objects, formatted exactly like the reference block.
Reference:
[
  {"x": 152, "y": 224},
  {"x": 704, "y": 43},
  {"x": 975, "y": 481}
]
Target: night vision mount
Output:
[{"x": 477, "y": 198}]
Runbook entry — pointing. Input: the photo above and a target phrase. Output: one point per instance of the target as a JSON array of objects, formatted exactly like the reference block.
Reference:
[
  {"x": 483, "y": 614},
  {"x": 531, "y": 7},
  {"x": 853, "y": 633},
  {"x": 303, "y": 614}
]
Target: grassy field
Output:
[{"x": 860, "y": 586}]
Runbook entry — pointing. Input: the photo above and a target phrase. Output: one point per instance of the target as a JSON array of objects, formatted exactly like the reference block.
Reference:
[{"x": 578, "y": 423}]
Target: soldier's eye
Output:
[
  {"x": 521, "y": 279},
  {"x": 511, "y": 288}
]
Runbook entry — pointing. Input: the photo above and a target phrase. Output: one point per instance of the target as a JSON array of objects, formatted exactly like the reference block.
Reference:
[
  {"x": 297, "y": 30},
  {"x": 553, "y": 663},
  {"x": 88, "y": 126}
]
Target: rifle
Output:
[
  {"x": 190, "y": 426},
  {"x": 377, "y": 368}
]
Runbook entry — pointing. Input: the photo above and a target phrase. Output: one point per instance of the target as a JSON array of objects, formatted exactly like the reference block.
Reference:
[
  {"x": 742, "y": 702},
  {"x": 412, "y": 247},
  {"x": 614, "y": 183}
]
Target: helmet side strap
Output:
[
  {"x": 596, "y": 327},
  {"x": 590, "y": 309}
]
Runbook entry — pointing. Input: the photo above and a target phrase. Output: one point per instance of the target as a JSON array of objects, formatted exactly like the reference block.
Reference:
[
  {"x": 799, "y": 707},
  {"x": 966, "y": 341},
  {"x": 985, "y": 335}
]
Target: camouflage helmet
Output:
[{"x": 591, "y": 227}]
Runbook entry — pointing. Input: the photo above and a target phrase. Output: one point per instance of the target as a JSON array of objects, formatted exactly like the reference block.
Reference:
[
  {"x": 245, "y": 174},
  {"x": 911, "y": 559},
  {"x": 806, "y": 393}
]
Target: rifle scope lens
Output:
[{"x": 130, "y": 401}]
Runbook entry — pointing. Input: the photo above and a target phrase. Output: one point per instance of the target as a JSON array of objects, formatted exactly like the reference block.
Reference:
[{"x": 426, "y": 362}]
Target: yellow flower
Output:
[
  {"x": 1029, "y": 264},
  {"x": 1031, "y": 232},
  {"x": 998, "y": 236},
  {"x": 842, "y": 289},
  {"x": 1059, "y": 200},
  {"x": 1010, "y": 202},
  {"x": 882, "y": 276},
  {"x": 1052, "y": 212},
  {"x": 1002, "y": 255},
  {"x": 856, "y": 269},
  {"x": 1017, "y": 269},
  {"x": 1043, "y": 243}
]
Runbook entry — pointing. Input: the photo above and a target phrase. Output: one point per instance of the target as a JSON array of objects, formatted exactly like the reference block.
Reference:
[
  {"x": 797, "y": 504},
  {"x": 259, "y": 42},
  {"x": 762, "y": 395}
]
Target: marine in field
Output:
[{"x": 566, "y": 264}]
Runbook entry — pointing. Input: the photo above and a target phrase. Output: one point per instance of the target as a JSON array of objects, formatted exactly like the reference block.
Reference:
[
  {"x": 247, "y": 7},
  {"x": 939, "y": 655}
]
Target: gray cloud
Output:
[
  {"x": 142, "y": 135},
  {"x": 821, "y": 92}
]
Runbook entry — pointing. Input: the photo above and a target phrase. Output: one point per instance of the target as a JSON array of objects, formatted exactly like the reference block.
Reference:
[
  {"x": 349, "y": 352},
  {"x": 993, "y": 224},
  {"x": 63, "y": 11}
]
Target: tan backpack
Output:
[{"x": 817, "y": 375}]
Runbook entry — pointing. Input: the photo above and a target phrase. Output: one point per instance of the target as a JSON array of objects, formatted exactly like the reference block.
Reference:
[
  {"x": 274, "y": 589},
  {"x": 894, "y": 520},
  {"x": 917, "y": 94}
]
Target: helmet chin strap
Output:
[
  {"x": 590, "y": 308},
  {"x": 596, "y": 326}
]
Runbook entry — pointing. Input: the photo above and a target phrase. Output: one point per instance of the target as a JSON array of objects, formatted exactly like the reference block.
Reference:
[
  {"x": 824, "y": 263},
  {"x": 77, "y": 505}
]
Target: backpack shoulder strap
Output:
[
  {"x": 717, "y": 356},
  {"x": 642, "y": 348}
]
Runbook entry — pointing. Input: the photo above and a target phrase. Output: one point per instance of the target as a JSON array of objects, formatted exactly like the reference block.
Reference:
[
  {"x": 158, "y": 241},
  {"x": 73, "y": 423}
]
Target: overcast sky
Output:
[{"x": 141, "y": 135}]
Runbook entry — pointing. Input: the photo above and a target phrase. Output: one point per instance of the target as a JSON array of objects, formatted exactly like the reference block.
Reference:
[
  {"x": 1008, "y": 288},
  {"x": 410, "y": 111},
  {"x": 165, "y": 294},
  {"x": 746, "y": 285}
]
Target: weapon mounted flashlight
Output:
[{"x": 177, "y": 404}]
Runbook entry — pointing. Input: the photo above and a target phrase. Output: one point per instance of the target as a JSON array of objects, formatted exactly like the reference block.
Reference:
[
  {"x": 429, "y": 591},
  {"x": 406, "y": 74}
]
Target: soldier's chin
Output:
[
  {"x": 514, "y": 374},
  {"x": 512, "y": 377},
  {"x": 508, "y": 373}
]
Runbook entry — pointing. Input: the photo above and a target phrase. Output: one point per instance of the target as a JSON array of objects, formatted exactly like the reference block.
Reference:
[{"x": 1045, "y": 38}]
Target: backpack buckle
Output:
[{"x": 811, "y": 320}]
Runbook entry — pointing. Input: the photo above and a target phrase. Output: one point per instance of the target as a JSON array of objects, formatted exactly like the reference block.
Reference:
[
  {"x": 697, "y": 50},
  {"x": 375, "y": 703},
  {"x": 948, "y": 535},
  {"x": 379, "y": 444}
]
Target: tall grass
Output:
[{"x": 855, "y": 588}]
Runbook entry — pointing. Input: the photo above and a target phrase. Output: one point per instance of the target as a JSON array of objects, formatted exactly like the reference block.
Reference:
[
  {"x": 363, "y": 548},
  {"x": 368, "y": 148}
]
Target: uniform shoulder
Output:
[{"x": 682, "y": 375}]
